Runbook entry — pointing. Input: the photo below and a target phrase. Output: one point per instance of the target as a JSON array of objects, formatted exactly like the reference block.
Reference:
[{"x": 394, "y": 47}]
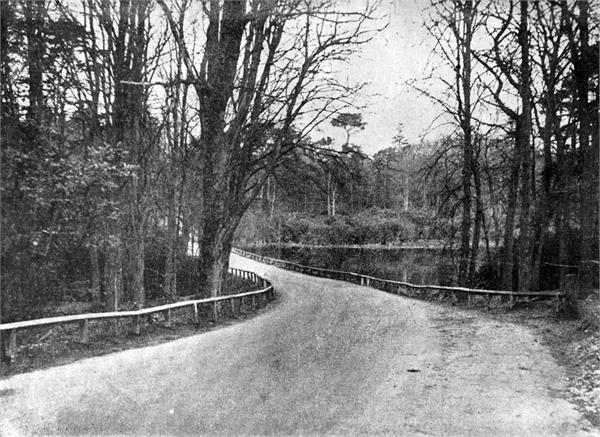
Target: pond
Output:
[{"x": 413, "y": 265}]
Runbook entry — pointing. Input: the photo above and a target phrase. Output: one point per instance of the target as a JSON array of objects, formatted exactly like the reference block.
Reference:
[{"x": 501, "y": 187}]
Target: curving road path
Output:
[{"x": 328, "y": 358}]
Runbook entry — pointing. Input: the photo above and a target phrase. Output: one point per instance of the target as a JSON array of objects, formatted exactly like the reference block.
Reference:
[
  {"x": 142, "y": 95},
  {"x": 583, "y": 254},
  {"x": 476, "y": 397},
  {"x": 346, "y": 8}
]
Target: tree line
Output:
[
  {"x": 525, "y": 76},
  {"x": 514, "y": 181}
]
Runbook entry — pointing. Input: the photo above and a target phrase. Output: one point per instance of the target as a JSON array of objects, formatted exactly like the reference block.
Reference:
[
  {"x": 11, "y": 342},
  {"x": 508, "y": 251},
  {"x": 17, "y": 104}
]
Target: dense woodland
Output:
[{"x": 132, "y": 129}]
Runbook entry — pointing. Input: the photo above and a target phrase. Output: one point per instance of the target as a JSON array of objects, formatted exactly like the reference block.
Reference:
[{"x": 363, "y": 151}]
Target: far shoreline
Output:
[{"x": 413, "y": 246}]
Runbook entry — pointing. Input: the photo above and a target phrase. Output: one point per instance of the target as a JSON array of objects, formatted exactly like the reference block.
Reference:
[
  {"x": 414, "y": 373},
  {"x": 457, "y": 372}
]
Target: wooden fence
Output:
[
  {"x": 407, "y": 289},
  {"x": 266, "y": 293}
]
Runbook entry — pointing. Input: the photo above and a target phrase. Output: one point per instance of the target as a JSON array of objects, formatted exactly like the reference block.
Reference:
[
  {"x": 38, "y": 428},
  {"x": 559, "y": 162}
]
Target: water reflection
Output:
[{"x": 417, "y": 266}]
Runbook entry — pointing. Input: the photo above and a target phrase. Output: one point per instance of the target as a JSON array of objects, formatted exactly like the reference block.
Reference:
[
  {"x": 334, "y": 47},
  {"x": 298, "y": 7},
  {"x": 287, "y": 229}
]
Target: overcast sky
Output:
[{"x": 394, "y": 57}]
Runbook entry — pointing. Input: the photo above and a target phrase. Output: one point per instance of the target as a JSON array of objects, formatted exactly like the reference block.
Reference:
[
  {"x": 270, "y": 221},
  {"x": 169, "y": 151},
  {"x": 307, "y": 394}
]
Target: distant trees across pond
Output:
[{"x": 370, "y": 227}]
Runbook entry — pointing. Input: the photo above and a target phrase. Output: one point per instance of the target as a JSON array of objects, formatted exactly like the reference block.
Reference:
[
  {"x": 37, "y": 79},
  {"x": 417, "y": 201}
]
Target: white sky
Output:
[{"x": 394, "y": 57}]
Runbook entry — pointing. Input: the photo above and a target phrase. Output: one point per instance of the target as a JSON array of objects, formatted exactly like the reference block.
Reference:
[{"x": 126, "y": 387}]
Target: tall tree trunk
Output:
[
  {"x": 589, "y": 153},
  {"x": 96, "y": 278},
  {"x": 273, "y": 197},
  {"x": 222, "y": 51},
  {"x": 562, "y": 204},
  {"x": 329, "y": 202},
  {"x": 214, "y": 256},
  {"x": 479, "y": 222},
  {"x": 170, "y": 280},
  {"x": 406, "y": 193},
  {"x": 136, "y": 244},
  {"x": 333, "y": 198},
  {"x": 9, "y": 105},
  {"x": 113, "y": 271},
  {"x": 543, "y": 210},
  {"x": 524, "y": 141},
  {"x": 507, "y": 262},
  {"x": 35, "y": 14},
  {"x": 464, "y": 81},
  {"x": 128, "y": 114}
]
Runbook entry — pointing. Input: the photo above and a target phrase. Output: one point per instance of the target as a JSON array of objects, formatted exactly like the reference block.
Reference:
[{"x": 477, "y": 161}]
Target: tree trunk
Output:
[
  {"x": 214, "y": 258},
  {"x": 509, "y": 226},
  {"x": 406, "y": 193},
  {"x": 137, "y": 273},
  {"x": 464, "y": 82},
  {"x": 562, "y": 204},
  {"x": 561, "y": 224},
  {"x": 479, "y": 219},
  {"x": 537, "y": 261},
  {"x": 170, "y": 281},
  {"x": 543, "y": 210},
  {"x": 333, "y": 195},
  {"x": 524, "y": 141},
  {"x": 273, "y": 197},
  {"x": 95, "y": 282},
  {"x": 135, "y": 243},
  {"x": 589, "y": 153},
  {"x": 173, "y": 248},
  {"x": 222, "y": 51},
  {"x": 35, "y": 14},
  {"x": 113, "y": 272},
  {"x": 329, "y": 202}
]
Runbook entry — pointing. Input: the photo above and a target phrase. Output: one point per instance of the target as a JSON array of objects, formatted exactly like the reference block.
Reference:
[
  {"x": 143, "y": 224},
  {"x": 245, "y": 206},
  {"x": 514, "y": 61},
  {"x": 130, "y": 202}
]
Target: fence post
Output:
[
  {"x": 196, "y": 319},
  {"x": 488, "y": 300},
  {"x": 570, "y": 287},
  {"x": 232, "y": 303},
  {"x": 215, "y": 311},
  {"x": 85, "y": 331},
  {"x": 168, "y": 318},
  {"x": 136, "y": 326},
  {"x": 11, "y": 345},
  {"x": 567, "y": 303},
  {"x": 254, "y": 301}
]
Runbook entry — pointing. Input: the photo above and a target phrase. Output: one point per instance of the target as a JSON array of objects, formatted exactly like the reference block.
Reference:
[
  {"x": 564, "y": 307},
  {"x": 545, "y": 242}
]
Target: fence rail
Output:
[
  {"x": 404, "y": 288},
  {"x": 266, "y": 292}
]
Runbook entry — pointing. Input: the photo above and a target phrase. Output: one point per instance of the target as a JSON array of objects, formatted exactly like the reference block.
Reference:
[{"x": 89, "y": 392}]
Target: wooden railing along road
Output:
[
  {"x": 405, "y": 288},
  {"x": 394, "y": 287},
  {"x": 266, "y": 293}
]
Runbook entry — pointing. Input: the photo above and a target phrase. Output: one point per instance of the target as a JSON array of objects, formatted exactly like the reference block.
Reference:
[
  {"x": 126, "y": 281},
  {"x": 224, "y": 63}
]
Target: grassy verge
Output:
[
  {"x": 576, "y": 345},
  {"x": 43, "y": 347}
]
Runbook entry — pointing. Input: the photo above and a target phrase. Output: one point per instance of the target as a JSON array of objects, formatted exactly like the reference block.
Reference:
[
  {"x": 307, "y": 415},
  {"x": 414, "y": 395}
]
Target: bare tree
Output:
[
  {"x": 510, "y": 41},
  {"x": 584, "y": 66},
  {"x": 254, "y": 84},
  {"x": 454, "y": 26}
]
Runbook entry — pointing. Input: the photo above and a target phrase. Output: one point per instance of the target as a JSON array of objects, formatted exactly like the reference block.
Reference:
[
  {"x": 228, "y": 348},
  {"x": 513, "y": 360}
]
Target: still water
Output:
[{"x": 417, "y": 266}]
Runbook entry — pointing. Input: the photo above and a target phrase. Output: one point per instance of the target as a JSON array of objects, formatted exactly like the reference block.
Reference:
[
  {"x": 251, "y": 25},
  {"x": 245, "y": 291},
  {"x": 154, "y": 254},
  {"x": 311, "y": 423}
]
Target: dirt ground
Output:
[
  {"x": 330, "y": 358},
  {"x": 575, "y": 344}
]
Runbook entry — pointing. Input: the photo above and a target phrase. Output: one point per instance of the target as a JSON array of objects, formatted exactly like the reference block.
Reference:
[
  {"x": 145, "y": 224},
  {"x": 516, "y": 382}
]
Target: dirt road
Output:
[{"x": 328, "y": 358}]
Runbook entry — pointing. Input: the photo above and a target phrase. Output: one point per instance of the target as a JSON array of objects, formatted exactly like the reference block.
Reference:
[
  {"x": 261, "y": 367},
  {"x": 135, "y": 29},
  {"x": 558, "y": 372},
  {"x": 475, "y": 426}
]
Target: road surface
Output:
[{"x": 328, "y": 358}]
